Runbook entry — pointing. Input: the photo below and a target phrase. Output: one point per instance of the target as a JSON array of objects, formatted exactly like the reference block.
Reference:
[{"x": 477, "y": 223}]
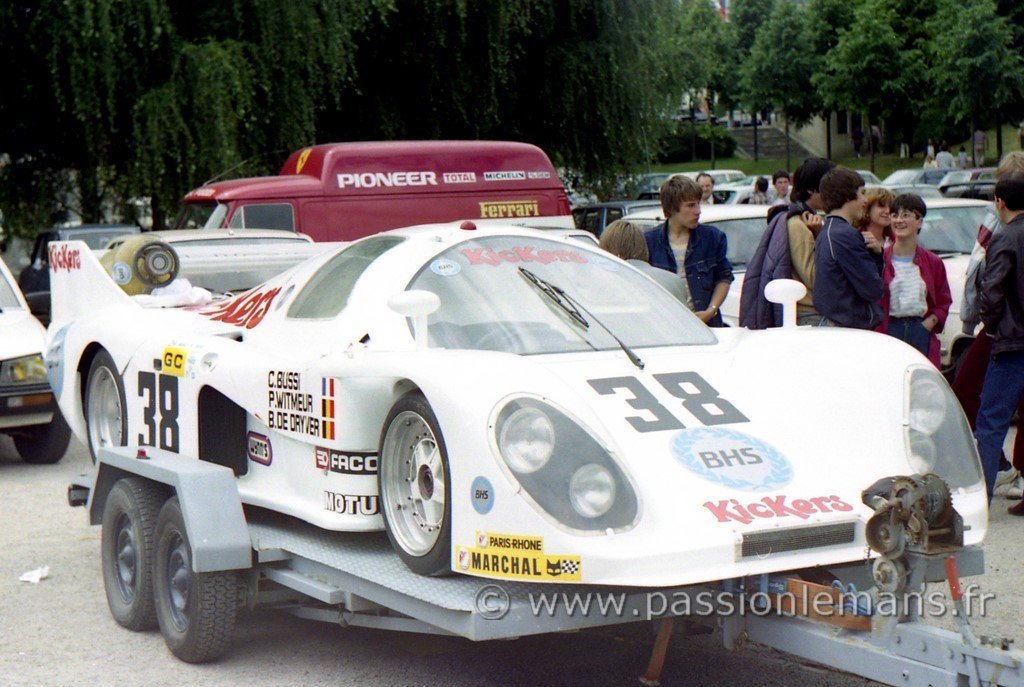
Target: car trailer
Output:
[{"x": 181, "y": 552}]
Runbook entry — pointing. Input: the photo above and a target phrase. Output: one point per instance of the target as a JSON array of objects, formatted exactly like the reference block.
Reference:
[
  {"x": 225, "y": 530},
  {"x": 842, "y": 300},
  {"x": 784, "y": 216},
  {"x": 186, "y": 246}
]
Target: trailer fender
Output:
[{"x": 209, "y": 499}]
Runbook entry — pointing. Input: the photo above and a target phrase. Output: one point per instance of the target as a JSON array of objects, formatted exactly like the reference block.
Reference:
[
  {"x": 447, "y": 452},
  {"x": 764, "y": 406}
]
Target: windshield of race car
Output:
[
  {"x": 7, "y": 297},
  {"x": 486, "y": 303}
]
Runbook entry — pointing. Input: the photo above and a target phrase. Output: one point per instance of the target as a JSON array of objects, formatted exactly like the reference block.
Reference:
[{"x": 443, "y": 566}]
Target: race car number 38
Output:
[{"x": 699, "y": 399}]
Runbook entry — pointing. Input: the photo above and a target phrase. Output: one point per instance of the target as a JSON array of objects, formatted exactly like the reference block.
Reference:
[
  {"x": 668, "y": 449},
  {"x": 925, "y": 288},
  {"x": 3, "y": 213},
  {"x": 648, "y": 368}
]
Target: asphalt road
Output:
[{"x": 59, "y": 633}]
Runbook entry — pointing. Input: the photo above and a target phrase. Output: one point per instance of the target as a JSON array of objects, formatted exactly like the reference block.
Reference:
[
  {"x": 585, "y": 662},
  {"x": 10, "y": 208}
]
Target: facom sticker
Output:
[
  {"x": 445, "y": 268},
  {"x": 732, "y": 459},
  {"x": 481, "y": 493},
  {"x": 121, "y": 273}
]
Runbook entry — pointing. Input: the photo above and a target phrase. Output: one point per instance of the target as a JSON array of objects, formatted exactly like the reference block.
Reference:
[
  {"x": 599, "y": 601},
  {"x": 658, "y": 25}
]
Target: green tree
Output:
[
  {"x": 865, "y": 71},
  {"x": 974, "y": 69},
  {"x": 780, "y": 64}
]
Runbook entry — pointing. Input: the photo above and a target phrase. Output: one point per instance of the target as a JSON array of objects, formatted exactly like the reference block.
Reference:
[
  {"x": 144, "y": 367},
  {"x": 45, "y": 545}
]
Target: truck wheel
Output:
[
  {"x": 414, "y": 484},
  {"x": 196, "y": 611},
  {"x": 126, "y": 548},
  {"x": 44, "y": 444},
  {"x": 105, "y": 418}
]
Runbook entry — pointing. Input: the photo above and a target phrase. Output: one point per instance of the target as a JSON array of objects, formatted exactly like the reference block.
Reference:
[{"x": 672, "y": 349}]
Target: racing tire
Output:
[
  {"x": 414, "y": 483},
  {"x": 126, "y": 550},
  {"x": 44, "y": 444},
  {"x": 196, "y": 611},
  {"x": 106, "y": 418}
]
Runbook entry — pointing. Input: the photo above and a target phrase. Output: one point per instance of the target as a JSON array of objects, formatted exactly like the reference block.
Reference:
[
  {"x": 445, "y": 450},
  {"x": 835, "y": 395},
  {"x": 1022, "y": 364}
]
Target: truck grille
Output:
[{"x": 768, "y": 542}]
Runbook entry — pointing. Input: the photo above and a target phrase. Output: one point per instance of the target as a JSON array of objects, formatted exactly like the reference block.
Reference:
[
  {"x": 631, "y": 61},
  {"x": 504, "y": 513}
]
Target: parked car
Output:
[
  {"x": 924, "y": 190},
  {"x": 34, "y": 279},
  {"x": 509, "y": 405},
  {"x": 868, "y": 176},
  {"x": 28, "y": 410},
  {"x": 596, "y": 216},
  {"x": 950, "y": 229},
  {"x": 721, "y": 176},
  {"x": 969, "y": 183},
  {"x": 927, "y": 176}
]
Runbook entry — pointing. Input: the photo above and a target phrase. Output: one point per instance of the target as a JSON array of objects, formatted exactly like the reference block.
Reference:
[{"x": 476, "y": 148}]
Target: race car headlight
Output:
[
  {"x": 564, "y": 471},
  {"x": 592, "y": 491},
  {"x": 27, "y": 370},
  {"x": 936, "y": 434},
  {"x": 526, "y": 440}
]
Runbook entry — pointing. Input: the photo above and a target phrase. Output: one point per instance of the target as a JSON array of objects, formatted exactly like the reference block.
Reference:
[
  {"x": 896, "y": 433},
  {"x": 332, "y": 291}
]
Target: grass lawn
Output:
[{"x": 884, "y": 164}]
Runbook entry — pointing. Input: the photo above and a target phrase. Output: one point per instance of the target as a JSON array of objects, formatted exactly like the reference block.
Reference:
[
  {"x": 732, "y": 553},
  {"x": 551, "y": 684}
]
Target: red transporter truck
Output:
[{"x": 344, "y": 191}]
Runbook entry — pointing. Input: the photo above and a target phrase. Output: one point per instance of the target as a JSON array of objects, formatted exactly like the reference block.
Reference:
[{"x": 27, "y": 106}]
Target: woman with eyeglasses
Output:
[{"x": 916, "y": 298}]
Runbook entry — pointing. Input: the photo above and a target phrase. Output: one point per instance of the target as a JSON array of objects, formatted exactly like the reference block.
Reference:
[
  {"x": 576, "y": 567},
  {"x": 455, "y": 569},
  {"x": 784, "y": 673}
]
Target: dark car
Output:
[
  {"x": 34, "y": 279},
  {"x": 969, "y": 183},
  {"x": 596, "y": 216}
]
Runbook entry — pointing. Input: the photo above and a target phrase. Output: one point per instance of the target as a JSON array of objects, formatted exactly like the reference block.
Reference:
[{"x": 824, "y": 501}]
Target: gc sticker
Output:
[{"x": 173, "y": 361}]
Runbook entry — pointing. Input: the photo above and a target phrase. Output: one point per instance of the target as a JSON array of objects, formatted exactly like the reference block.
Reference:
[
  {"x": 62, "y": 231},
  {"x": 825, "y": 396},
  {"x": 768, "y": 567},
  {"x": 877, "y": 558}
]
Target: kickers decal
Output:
[
  {"x": 773, "y": 507},
  {"x": 247, "y": 310}
]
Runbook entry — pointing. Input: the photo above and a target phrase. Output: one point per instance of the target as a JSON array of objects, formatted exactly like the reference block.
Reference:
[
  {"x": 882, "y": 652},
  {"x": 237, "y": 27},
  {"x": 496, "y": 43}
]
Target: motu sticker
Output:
[
  {"x": 773, "y": 507},
  {"x": 349, "y": 504}
]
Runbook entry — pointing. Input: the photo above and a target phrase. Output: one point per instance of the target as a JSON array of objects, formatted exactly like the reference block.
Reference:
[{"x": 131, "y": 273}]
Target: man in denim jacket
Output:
[{"x": 696, "y": 252}]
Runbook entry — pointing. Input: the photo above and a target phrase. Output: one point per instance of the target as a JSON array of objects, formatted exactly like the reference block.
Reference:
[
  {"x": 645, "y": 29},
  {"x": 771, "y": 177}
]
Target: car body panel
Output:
[{"x": 22, "y": 335}]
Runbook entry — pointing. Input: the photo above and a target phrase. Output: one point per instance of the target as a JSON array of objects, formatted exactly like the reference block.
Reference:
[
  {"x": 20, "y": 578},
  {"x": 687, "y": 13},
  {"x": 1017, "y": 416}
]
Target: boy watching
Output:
[
  {"x": 1002, "y": 311},
  {"x": 847, "y": 265}
]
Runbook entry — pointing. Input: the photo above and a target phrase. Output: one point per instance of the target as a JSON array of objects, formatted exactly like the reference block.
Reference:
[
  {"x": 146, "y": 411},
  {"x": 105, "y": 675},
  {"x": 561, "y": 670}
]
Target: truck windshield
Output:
[
  {"x": 200, "y": 216},
  {"x": 486, "y": 304}
]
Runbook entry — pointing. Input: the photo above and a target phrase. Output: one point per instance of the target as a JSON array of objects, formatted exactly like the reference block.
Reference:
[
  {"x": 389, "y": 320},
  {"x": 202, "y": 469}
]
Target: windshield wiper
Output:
[{"x": 572, "y": 307}]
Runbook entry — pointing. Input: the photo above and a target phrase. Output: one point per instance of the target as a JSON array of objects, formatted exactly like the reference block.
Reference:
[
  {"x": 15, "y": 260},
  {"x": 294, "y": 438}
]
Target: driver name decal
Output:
[
  {"x": 772, "y": 507},
  {"x": 544, "y": 256},
  {"x": 732, "y": 459},
  {"x": 292, "y": 408}
]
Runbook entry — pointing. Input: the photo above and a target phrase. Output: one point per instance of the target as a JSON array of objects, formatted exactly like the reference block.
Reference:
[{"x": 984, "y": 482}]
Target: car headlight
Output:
[
  {"x": 27, "y": 370},
  {"x": 564, "y": 471},
  {"x": 936, "y": 434},
  {"x": 526, "y": 440}
]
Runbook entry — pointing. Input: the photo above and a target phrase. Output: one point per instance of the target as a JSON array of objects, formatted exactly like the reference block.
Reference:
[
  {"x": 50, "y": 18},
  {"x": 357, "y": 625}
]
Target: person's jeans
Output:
[
  {"x": 910, "y": 330},
  {"x": 1004, "y": 384}
]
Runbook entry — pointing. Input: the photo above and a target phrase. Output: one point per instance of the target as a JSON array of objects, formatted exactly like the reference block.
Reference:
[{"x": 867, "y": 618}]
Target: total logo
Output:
[{"x": 732, "y": 459}]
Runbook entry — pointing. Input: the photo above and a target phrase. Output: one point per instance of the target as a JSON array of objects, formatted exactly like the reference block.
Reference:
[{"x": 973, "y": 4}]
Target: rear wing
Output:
[{"x": 80, "y": 284}]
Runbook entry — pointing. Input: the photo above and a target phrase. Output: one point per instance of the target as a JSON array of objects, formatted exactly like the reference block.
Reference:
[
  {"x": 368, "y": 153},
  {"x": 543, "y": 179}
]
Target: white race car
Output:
[
  {"x": 28, "y": 412},
  {"x": 513, "y": 405}
]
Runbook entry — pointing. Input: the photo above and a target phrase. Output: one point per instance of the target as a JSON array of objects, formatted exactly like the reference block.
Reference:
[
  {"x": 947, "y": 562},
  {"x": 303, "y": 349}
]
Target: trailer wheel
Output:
[
  {"x": 414, "y": 483},
  {"x": 105, "y": 417},
  {"x": 196, "y": 611},
  {"x": 126, "y": 548},
  {"x": 44, "y": 444}
]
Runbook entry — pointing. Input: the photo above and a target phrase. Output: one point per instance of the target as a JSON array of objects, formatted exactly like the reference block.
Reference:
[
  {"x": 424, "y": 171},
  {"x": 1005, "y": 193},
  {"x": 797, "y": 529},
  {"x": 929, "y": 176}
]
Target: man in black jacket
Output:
[{"x": 1002, "y": 311}]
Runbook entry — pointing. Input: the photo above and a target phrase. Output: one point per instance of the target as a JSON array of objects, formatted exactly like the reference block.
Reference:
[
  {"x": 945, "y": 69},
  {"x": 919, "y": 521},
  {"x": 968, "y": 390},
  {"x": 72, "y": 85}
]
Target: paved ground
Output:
[{"x": 59, "y": 633}]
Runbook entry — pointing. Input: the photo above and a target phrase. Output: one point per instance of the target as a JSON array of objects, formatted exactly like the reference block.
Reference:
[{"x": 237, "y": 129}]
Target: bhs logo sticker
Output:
[{"x": 732, "y": 459}]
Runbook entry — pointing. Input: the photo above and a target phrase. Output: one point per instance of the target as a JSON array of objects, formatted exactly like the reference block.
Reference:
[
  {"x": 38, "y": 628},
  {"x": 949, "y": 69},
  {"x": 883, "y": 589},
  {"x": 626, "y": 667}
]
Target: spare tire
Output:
[{"x": 140, "y": 264}]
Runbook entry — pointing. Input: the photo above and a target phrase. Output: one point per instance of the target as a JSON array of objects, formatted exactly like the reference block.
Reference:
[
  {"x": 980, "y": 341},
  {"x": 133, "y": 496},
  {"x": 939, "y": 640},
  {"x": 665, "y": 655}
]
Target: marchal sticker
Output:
[
  {"x": 732, "y": 459},
  {"x": 444, "y": 267}
]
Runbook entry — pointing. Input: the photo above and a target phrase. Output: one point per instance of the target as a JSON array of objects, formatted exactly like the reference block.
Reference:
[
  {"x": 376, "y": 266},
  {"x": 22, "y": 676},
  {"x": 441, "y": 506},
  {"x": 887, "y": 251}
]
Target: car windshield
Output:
[
  {"x": 487, "y": 304},
  {"x": 8, "y": 298},
  {"x": 952, "y": 230},
  {"x": 902, "y": 176},
  {"x": 97, "y": 240},
  {"x": 200, "y": 215}
]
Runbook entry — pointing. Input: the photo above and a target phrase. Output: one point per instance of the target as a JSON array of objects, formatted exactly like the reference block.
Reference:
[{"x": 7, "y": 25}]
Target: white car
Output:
[
  {"x": 28, "y": 411},
  {"x": 510, "y": 404},
  {"x": 950, "y": 229}
]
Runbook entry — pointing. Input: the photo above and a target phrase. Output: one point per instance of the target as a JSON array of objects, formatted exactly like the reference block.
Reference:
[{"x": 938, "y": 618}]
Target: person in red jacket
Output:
[{"x": 916, "y": 299}]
